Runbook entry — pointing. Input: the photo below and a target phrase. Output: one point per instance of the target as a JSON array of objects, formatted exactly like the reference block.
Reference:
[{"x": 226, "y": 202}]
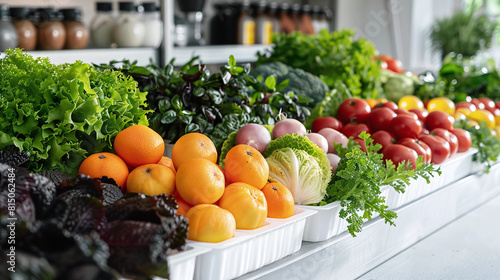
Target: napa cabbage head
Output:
[{"x": 301, "y": 166}]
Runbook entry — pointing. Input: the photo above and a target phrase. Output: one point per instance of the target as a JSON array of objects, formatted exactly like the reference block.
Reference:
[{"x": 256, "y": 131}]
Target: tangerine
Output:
[
  {"x": 183, "y": 206},
  {"x": 105, "y": 164},
  {"x": 168, "y": 163},
  {"x": 138, "y": 145},
  {"x": 210, "y": 223},
  {"x": 200, "y": 181},
  {"x": 151, "y": 179},
  {"x": 280, "y": 201},
  {"x": 247, "y": 204},
  {"x": 245, "y": 164},
  {"x": 193, "y": 145}
]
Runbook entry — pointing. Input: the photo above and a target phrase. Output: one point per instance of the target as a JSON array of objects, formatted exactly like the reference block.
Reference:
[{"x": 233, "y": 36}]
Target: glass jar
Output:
[
  {"x": 246, "y": 25},
  {"x": 103, "y": 23},
  {"x": 51, "y": 31},
  {"x": 129, "y": 29},
  {"x": 77, "y": 35},
  {"x": 26, "y": 29},
  {"x": 8, "y": 32},
  {"x": 153, "y": 25}
]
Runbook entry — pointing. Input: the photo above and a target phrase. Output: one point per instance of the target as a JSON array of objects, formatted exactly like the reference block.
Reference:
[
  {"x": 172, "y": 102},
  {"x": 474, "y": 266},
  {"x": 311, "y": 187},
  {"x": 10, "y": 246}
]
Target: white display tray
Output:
[
  {"x": 453, "y": 169},
  {"x": 251, "y": 249},
  {"x": 326, "y": 223}
]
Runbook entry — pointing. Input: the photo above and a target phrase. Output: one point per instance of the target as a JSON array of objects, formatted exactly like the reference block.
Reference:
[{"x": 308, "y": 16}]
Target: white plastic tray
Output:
[
  {"x": 326, "y": 223},
  {"x": 453, "y": 169},
  {"x": 251, "y": 249}
]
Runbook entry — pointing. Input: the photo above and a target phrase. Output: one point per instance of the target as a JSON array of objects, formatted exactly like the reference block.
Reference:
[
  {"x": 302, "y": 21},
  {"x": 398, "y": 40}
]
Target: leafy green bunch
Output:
[
  {"x": 194, "y": 100},
  {"x": 61, "y": 113},
  {"x": 359, "y": 177},
  {"x": 335, "y": 56}
]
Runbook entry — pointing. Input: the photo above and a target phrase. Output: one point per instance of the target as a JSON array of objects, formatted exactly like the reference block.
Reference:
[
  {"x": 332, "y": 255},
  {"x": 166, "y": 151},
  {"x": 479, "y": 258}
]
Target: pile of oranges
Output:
[{"x": 216, "y": 201}]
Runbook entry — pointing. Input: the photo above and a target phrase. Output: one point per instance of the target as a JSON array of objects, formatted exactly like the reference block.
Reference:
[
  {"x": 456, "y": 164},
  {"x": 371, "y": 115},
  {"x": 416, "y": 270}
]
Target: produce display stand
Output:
[{"x": 345, "y": 257}]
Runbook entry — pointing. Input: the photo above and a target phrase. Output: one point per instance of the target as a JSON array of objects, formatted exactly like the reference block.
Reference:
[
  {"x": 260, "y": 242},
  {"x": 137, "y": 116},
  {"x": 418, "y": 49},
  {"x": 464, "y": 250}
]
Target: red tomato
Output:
[
  {"x": 398, "y": 153},
  {"x": 353, "y": 130},
  {"x": 421, "y": 114},
  {"x": 420, "y": 147},
  {"x": 466, "y": 105},
  {"x": 361, "y": 143},
  {"x": 389, "y": 104},
  {"x": 440, "y": 148},
  {"x": 403, "y": 126},
  {"x": 488, "y": 103},
  {"x": 439, "y": 119},
  {"x": 497, "y": 104},
  {"x": 393, "y": 64},
  {"x": 400, "y": 111},
  {"x": 464, "y": 139},
  {"x": 477, "y": 103},
  {"x": 353, "y": 110},
  {"x": 426, "y": 102},
  {"x": 449, "y": 137},
  {"x": 322, "y": 122},
  {"x": 380, "y": 118},
  {"x": 383, "y": 138}
]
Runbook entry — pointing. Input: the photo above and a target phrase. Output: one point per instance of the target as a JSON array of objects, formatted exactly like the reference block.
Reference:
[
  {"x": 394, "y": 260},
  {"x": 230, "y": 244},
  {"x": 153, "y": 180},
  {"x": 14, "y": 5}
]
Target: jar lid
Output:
[
  {"x": 285, "y": 8},
  {"x": 20, "y": 12},
  {"x": 72, "y": 14},
  {"x": 127, "y": 6},
  {"x": 104, "y": 6},
  {"x": 4, "y": 11},
  {"x": 49, "y": 13},
  {"x": 149, "y": 6}
]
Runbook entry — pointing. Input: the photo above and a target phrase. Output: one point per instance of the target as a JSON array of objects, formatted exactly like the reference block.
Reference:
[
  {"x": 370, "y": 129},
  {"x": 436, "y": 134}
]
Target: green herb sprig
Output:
[{"x": 358, "y": 180}]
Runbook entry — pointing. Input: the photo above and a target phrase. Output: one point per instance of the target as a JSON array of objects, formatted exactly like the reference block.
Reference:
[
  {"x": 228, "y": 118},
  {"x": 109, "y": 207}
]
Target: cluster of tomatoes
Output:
[{"x": 405, "y": 130}]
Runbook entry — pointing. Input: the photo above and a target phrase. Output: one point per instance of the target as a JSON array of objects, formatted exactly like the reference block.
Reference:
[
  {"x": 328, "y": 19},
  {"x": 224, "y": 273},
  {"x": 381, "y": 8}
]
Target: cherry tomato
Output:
[
  {"x": 389, "y": 104},
  {"x": 439, "y": 119},
  {"x": 420, "y": 147},
  {"x": 393, "y": 64},
  {"x": 398, "y": 153},
  {"x": 465, "y": 104},
  {"x": 400, "y": 111},
  {"x": 403, "y": 126},
  {"x": 383, "y": 138},
  {"x": 353, "y": 130},
  {"x": 441, "y": 104},
  {"x": 361, "y": 143},
  {"x": 497, "y": 104},
  {"x": 409, "y": 102},
  {"x": 482, "y": 115},
  {"x": 449, "y": 137},
  {"x": 488, "y": 104},
  {"x": 464, "y": 139},
  {"x": 380, "y": 118},
  {"x": 353, "y": 110},
  {"x": 477, "y": 103},
  {"x": 440, "y": 148},
  {"x": 322, "y": 122},
  {"x": 421, "y": 114}
]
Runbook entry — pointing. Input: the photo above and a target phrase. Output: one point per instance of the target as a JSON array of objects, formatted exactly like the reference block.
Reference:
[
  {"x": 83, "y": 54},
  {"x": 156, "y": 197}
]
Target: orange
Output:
[
  {"x": 210, "y": 223},
  {"x": 280, "y": 201},
  {"x": 168, "y": 163},
  {"x": 245, "y": 164},
  {"x": 200, "y": 181},
  {"x": 193, "y": 145},
  {"x": 105, "y": 164},
  {"x": 247, "y": 204},
  {"x": 138, "y": 145},
  {"x": 183, "y": 206},
  {"x": 151, "y": 179}
]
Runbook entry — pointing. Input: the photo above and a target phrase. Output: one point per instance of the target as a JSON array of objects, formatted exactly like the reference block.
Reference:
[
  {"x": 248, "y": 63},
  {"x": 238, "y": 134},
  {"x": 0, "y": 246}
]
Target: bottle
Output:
[
  {"x": 129, "y": 30},
  {"x": 263, "y": 24},
  {"x": 8, "y": 32},
  {"x": 102, "y": 26},
  {"x": 286, "y": 23},
  {"x": 306, "y": 25},
  {"x": 77, "y": 35},
  {"x": 246, "y": 25},
  {"x": 152, "y": 24},
  {"x": 26, "y": 29},
  {"x": 51, "y": 31},
  {"x": 273, "y": 11}
]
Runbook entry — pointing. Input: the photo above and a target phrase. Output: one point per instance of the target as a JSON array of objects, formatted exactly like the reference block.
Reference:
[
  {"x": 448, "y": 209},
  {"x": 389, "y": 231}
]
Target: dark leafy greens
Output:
[
  {"x": 59, "y": 114},
  {"x": 359, "y": 177}
]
